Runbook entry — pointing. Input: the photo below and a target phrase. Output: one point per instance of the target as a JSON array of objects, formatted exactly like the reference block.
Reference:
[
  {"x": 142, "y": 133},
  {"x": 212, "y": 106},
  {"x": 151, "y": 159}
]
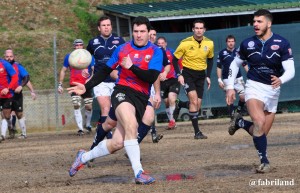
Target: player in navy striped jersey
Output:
[
  {"x": 271, "y": 64},
  {"x": 225, "y": 57}
]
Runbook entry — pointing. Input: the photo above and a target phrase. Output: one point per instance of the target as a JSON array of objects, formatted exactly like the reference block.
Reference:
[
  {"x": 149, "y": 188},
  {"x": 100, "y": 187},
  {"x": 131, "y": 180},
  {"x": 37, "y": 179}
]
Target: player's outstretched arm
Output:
[{"x": 79, "y": 88}]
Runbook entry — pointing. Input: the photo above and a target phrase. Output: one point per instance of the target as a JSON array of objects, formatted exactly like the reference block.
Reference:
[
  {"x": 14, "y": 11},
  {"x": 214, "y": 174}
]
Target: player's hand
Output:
[
  {"x": 4, "y": 91},
  {"x": 18, "y": 89},
  {"x": 85, "y": 73},
  {"x": 208, "y": 83},
  {"x": 33, "y": 95},
  {"x": 156, "y": 100},
  {"x": 230, "y": 96},
  {"x": 78, "y": 89},
  {"x": 126, "y": 62},
  {"x": 181, "y": 80},
  {"x": 163, "y": 76},
  {"x": 276, "y": 82},
  {"x": 60, "y": 89}
]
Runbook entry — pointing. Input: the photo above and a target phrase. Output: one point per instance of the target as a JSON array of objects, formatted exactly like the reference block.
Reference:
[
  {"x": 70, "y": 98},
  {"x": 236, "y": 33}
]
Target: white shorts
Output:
[
  {"x": 104, "y": 89},
  {"x": 263, "y": 92},
  {"x": 239, "y": 85}
]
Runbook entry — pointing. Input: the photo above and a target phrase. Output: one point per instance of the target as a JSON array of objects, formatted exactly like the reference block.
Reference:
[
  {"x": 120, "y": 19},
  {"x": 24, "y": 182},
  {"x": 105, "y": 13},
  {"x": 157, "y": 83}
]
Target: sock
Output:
[
  {"x": 78, "y": 118},
  {"x": 194, "y": 119},
  {"x": 22, "y": 125},
  {"x": 109, "y": 135},
  {"x": 3, "y": 127},
  {"x": 13, "y": 120},
  {"x": 240, "y": 106},
  {"x": 171, "y": 112},
  {"x": 230, "y": 110},
  {"x": 260, "y": 144},
  {"x": 245, "y": 125},
  {"x": 168, "y": 112},
  {"x": 100, "y": 135},
  {"x": 143, "y": 130},
  {"x": 88, "y": 117},
  {"x": 102, "y": 119},
  {"x": 98, "y": 151},
  {"x": 133, "y": 151},
  {"x": 153, "y": 128}
]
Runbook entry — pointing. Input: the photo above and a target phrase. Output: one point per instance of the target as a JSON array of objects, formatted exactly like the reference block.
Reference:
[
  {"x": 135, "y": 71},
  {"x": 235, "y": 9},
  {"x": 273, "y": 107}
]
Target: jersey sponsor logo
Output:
[
  {"x": 136, "y": 56},
  {"x": 251, "y": 45},
  {"x": 275, "y": 47},
  {"x": 117, "y": 38},
  {"x": 120, "y": 97},
  {"x": 115, "y": 41},
  {"x": 96, "y": 42},
  {"x": 276, "y": 40},
  {"x": 147, "y": 58}
]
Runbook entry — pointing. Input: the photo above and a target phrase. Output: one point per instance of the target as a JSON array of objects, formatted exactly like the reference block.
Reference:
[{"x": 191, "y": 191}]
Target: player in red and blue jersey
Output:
[
  {"x": 102, "y": 47},
  {"x": 139, "y": 63},
  {"x": 80, "y": 76},
  {"x": 271, "y": 64},
  {"x": 170, "y": 87},
  {"x": 8, "y": 83}
]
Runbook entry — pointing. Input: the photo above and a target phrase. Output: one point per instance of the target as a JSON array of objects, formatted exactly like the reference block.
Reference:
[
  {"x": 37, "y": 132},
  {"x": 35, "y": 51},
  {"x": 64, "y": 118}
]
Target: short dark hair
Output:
[
  {"x": 102, "y": 18},
  {"x": 140, "y": 20},
  {"x": 163, "y": 38},
  {"x": 264, "y": 12},
  {"x": 199, "y": 21},
  {"x": 230, "y": 37}
]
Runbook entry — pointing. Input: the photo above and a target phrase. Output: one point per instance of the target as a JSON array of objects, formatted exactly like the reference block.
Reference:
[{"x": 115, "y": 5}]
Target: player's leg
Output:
[
  {"x": 76, "y": 100},
  {"x": 173, "y": 92},
  {"x": 6, "y": 111},
  {"x": 88, "y": 104},
  {"x": 239, "y": 87},
  {"x": 18, "y": 108}
]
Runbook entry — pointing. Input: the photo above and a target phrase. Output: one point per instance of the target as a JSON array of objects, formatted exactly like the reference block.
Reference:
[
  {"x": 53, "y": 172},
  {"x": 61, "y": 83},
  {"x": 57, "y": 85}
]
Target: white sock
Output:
[
  {"x": 22, "y": 125},
  {"x": 133, "y": 151},
  {"x": 78, "y": 118},
  {"x": 168, "y": 112},
  {"x": 171, "y": 112},
  {"x": 3, "y": 127},
  {"x": 88, "y": 115},
  {"x": 99, "y": 151}
]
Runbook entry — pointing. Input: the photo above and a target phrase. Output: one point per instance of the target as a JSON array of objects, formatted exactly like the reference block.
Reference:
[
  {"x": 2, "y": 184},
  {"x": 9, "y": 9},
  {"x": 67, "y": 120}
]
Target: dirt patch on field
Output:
[{"x": 222, "y": 163}]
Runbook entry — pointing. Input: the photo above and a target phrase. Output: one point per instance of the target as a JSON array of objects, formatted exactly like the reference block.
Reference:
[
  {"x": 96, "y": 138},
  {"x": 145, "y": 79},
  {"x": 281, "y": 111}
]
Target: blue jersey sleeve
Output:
[
  {"x": 22, "y": 71},
  {"x": 8, "y": 67},
  {"x": 156, "y": 63},
  {"x": 66, "y": 61}
]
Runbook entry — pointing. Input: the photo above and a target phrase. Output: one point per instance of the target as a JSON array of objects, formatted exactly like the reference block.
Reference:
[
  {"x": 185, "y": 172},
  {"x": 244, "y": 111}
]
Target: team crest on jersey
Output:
[
  {"x": 274, "y": 47},
  {"x": 192, "y": 48},
  {"x": 205, "y": 48},
  {"x": 136, "y": 56},
  {"x": 96, "y": 41},
  {"x": 115, "y": 41},
  {"x": 1, "y": 70},
  {"x": 147, "y": 58},
  {"x": 225, "y": 52},
  {"x": 120, "y": 97}
]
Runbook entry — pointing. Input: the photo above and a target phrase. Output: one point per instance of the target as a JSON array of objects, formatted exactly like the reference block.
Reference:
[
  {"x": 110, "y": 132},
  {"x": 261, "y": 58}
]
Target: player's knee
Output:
[
  {"x": 117, "y": 145},
  {"x": 19, "y": 115}
]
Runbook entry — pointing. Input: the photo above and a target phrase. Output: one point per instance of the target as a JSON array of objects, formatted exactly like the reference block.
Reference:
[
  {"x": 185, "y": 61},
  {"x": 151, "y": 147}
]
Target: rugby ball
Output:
[{"x": 80, "y": 59}]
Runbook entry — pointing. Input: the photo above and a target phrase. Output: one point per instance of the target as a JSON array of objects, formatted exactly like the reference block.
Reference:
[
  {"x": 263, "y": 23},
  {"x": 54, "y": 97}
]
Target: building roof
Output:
[{"x": 184, "y": 9}]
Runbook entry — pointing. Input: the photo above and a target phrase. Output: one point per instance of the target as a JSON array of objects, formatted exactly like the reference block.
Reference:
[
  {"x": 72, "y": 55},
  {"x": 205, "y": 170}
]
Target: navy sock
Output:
[
  {"x": 260, "y": 144},
  {"x": 240, "y": 106},
  {"x": 100, "y": 135},
  {"x": 194, "y": 119},
  {"x": 143, "y": 130},
  {"x": 14, "y": 118},
  {"x": 241, "y": 123},
  {"x": 230, "y": 110},
  {"x": 102, "y": 119},
  {"x": 109, "y": 135}
]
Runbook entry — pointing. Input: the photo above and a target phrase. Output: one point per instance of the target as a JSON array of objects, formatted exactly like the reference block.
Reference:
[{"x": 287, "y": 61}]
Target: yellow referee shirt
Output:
[{"x": 193, "y": 54}]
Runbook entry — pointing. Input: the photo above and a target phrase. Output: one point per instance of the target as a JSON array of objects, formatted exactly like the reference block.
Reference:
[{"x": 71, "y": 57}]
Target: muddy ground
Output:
[{"x": 221, "y": 163}]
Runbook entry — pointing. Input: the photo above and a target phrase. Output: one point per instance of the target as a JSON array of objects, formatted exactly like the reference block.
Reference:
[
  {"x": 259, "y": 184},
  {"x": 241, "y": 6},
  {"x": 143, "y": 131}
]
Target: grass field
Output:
[{"x": 221, "y": 163}]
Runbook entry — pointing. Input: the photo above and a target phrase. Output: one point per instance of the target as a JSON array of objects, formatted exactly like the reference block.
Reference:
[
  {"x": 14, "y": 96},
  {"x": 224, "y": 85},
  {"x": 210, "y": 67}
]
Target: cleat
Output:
[
  {"x": 200, "y": 135},
  {"x": 22, "y": 136},
  {"x": 263, "y": 168},
  {"x": 80, "y": 133},
  {"x": 88, "y": 128},
  {"x": 2, "y": 138},
  {"x": 143, "y": 178},
  {"x": 77, "y": 164},
  {"x": 156, "y": 138},
  {"x": 233, "y": 127},
  {"x": 12, "y": 132},
  {"x": 171, "y": 125}
]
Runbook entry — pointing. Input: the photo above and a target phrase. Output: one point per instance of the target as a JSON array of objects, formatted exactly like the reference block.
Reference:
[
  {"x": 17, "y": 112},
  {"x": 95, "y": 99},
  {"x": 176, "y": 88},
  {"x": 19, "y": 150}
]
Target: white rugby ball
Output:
[{"x": 80, "y": 59}]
